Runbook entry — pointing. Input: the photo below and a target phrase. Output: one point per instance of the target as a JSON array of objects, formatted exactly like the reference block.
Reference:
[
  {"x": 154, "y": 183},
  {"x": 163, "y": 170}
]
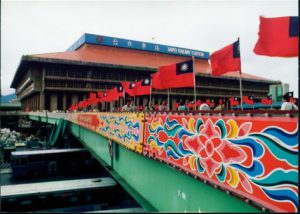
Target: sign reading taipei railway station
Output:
[{"x": 137, "y": 45}]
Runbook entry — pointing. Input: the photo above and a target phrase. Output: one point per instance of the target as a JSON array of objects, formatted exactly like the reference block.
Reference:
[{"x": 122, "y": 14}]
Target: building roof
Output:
[
  {"x": 136, "y": 58},
  {"x": 122, "y": 56},
  {"x": 103, "y": 55}
]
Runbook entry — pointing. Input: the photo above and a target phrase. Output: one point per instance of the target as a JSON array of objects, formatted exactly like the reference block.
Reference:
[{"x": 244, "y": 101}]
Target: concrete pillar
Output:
[
  {"x": 159, "y": 100},
  {"x": 173, "y": 102},
  {"x": 64, "y": 101},
  {"x": 35, "y": 102},
  {"x": 74, "y": 99},
  {"x": 145, "y": 100},
  {"x": 53, "y": 102},
  {"x": 30, "y": 100},
  {"x": 42, "y": 101}
]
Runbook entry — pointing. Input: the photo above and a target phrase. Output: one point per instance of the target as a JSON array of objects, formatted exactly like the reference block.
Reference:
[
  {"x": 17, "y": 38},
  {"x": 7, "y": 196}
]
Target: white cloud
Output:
[{"x": 44, "y": 26}]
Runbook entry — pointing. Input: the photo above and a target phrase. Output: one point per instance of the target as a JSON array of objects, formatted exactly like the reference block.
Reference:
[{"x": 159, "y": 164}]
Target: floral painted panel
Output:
[
  {"x": 124, "y": 128},
  {"x": 256, "y": 157}
]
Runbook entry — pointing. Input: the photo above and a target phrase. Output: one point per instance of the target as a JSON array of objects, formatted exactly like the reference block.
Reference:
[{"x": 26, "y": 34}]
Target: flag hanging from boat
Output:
[
  {"x": 278, "y": 37},
  {"x": 177, "y": 75},
  {"x": 226, "y": 59}
]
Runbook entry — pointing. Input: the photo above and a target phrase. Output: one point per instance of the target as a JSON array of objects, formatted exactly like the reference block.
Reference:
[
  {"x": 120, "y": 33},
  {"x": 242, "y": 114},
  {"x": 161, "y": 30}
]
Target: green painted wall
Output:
[
  {"x": 43, "y": 119},
  {"x": 163, "y": 187},
  {"x": 92, "y": 141}
]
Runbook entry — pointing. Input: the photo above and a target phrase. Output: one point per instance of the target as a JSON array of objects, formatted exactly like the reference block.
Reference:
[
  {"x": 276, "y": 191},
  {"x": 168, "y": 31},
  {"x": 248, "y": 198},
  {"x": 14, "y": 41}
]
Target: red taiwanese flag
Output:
[
  {"x": 226, "y": 59},
  {"x": 115, "y": 93},
  {"x": 129, "y": 88},
  {"x": 111, "y": 95},
  {"x": 87, "y": 102},
  {"x": 198, "y": 103},
  {"x": 100, "y": 94},
  {"x": 92, "y": 99},
  {"x": 278, "y": 36},
  {"x": 73, "y": 107},
  {"x": 234, "y": 101},
  {"x": 221, "y": 101},
  {"x": 93, "y": 95},
  {"x": 105, "y": 97},
  {"x": 142, "y": 87},
  {"x": 178, "y": 75},
  {"x": 119, "y": 90},
  {"x": 210, "y": 102},
  {"x": 80, "y": 104},
  {"x": 191, "y": 105},
  {"x": 248, "y": 100},
  {"x": 266, "y": 100},
  {"x": 84, "y": 103}
]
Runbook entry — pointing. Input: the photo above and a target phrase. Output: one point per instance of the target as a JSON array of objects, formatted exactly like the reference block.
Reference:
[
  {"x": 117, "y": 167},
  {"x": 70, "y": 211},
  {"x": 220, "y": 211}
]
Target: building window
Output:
[{"x": 55, "y": 84}]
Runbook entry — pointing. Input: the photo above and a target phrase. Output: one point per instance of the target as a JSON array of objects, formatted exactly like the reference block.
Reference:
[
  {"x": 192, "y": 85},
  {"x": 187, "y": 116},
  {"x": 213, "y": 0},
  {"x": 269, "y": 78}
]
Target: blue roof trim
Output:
[
  {"x": 259, "y": 105},
  {"x": 78, "y": 43},
  {"x": 137, "y": 45}
]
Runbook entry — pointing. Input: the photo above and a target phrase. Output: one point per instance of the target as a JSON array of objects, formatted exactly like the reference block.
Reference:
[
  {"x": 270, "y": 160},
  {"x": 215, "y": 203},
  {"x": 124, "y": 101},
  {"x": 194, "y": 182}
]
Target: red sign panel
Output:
[{"x": 89, "y": 121}]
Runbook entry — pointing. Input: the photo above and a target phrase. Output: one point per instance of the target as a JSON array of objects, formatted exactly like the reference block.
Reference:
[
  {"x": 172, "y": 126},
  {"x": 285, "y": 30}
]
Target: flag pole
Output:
[
  {"x": 241, "y": 92},
  {"x": 194, "y": 83},
  {"x": 169, "y": 98},
  {"x": 150, "y": 100},
  {"x": 124, "y": 97}
]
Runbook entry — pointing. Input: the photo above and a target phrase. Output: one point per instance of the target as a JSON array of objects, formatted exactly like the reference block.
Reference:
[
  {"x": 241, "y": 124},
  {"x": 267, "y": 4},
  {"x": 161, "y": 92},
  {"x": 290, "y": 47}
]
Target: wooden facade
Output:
[
  {"x": 55, "y": 84},
  {"x": 54, "y": 81}
]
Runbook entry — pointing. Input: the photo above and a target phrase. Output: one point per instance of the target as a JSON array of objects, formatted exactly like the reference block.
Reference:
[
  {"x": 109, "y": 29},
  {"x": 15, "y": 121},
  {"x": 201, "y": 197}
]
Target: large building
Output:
[{"x": 94, "y": 63}]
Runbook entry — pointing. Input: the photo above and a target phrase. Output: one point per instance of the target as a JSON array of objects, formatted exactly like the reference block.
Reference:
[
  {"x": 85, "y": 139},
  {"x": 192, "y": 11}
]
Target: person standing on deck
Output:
[
  {"x": 286, "y": 104},
  {"x": 163, "y": 106},
  {"x": 182, "y": 106}
]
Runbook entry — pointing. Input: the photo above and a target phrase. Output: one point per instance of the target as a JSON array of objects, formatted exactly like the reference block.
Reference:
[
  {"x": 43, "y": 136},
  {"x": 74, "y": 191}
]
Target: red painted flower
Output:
[{"x": 212, "y": 150}]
